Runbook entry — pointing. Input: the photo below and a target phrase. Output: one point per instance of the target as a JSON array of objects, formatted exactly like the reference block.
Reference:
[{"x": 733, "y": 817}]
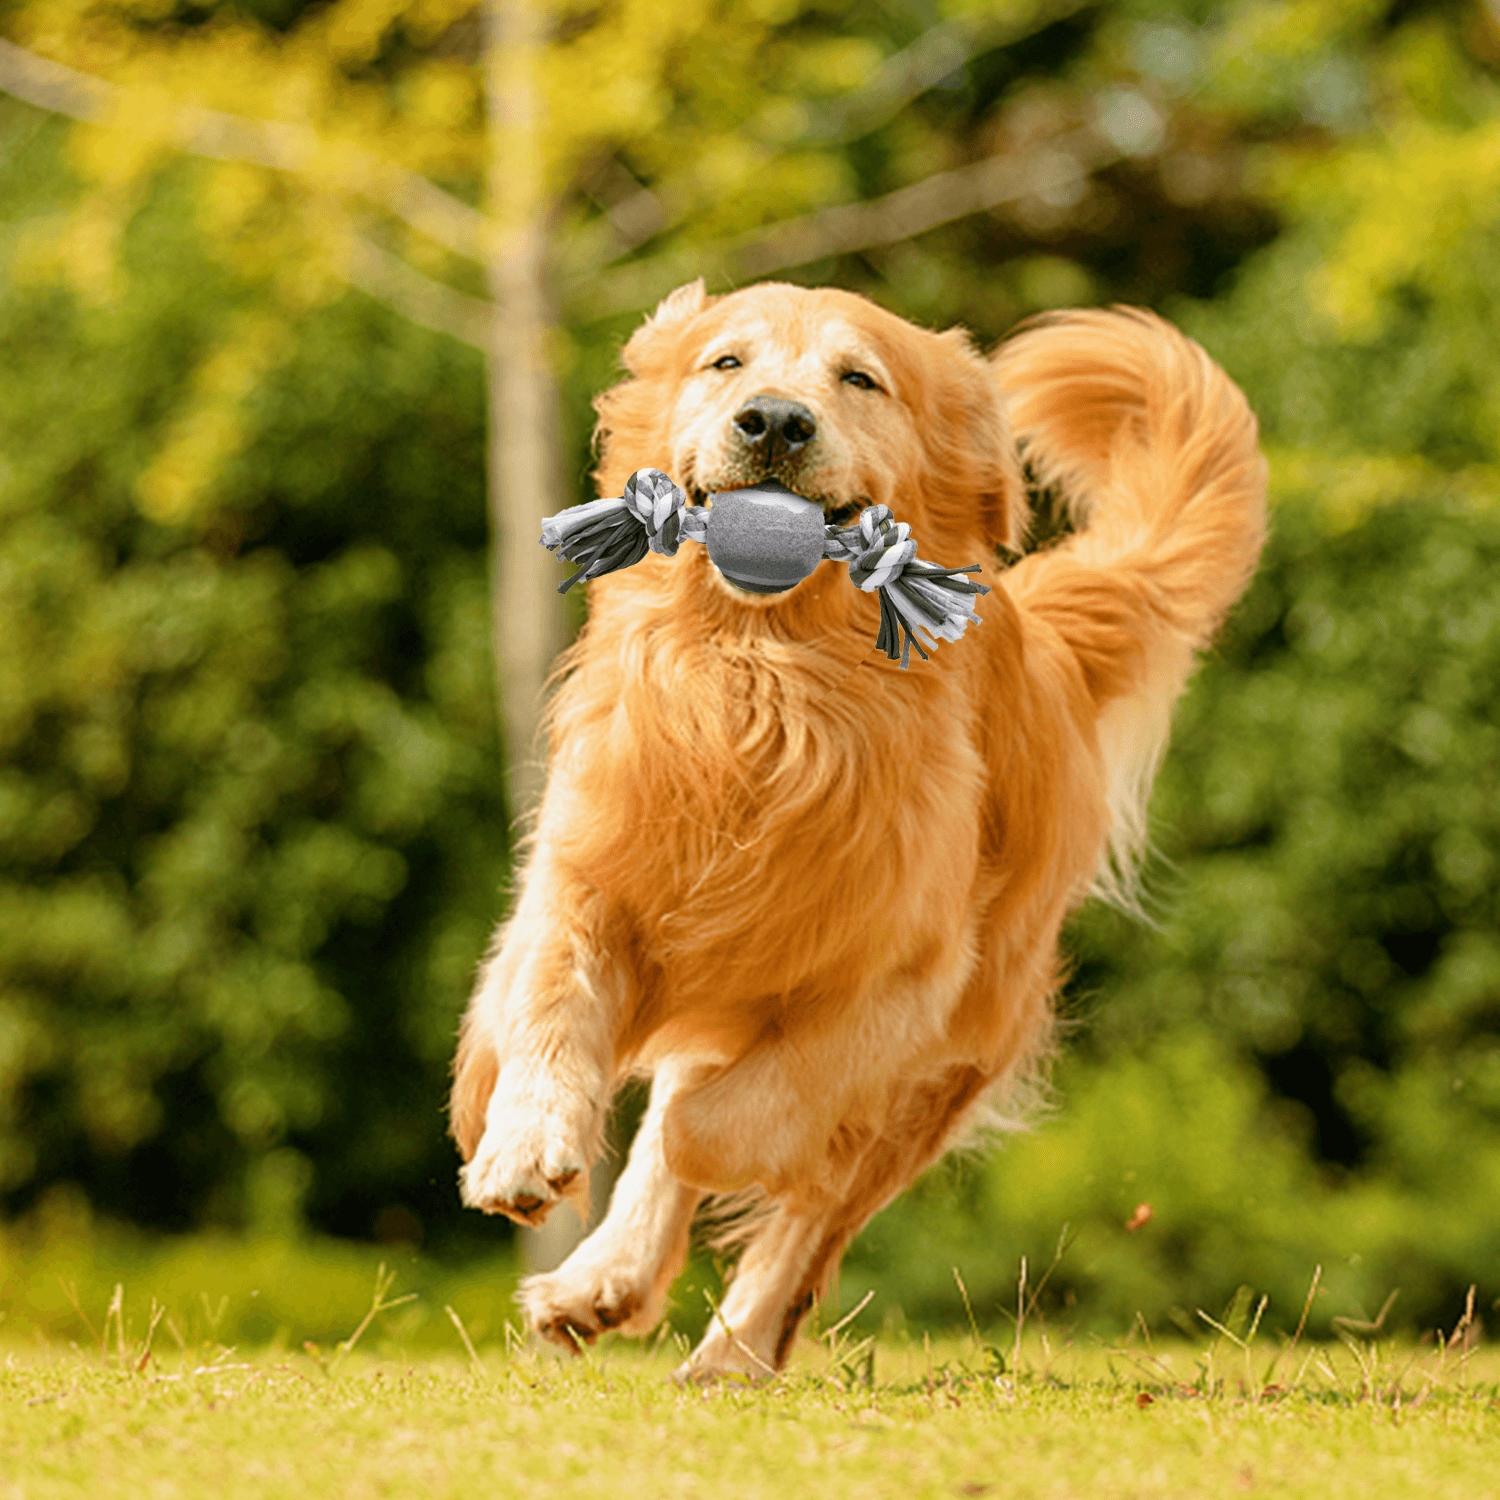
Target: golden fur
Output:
[{"x": 815, "y": 897}]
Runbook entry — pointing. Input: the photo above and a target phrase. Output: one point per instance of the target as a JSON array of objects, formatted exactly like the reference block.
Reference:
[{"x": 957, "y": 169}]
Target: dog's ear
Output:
[
  {"x": 631, "y": 429},
  {"x": 993, "y": 476},
  {"x": 671, "y": 313}
]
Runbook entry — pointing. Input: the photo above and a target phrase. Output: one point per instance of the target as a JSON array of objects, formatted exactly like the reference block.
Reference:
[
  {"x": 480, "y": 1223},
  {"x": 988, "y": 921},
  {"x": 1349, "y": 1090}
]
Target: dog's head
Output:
[{"x": 820, "y": 389}]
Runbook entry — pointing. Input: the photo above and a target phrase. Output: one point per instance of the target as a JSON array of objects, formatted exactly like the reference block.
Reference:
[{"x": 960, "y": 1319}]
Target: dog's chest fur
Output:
[{"x": 761, "y": 823}]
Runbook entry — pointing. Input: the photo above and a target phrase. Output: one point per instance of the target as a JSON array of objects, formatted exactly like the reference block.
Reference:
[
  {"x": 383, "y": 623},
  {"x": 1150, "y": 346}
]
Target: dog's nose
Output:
[{"x": 770, "y": 424}]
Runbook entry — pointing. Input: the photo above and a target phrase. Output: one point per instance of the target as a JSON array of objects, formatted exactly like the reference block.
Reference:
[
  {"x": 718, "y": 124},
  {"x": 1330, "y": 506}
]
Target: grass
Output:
[
  {"x": 246, "y": 1291},
  {"x": 132, "y": 1406}
]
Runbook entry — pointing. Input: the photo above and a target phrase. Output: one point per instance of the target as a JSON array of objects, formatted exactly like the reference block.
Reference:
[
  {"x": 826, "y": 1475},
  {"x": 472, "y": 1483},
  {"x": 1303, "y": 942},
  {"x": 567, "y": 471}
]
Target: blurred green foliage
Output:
[{"x": 251, "y": 833}]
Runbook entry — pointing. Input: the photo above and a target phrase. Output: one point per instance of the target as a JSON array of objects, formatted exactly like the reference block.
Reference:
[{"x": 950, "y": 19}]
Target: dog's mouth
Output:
[{"x": 841, "y": 514}]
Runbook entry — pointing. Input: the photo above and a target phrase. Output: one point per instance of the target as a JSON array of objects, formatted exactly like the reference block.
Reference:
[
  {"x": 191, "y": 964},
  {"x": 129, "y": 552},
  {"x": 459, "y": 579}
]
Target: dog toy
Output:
[{"x": 765, "y": 539}]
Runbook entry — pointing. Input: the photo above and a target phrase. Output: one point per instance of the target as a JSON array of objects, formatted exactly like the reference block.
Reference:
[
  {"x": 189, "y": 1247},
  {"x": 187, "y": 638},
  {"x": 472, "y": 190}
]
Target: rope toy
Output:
[{"x": 765, "y": 539}]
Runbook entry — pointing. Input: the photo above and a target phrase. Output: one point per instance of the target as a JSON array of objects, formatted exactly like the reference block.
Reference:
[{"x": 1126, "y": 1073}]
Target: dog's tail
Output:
[{"x": 1155, "y": 452}]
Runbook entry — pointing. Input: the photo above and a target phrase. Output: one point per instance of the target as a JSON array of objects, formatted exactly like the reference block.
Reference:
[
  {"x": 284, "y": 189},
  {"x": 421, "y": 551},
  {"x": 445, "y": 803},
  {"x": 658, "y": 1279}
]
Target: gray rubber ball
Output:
[{"x": 765, "y": 539}]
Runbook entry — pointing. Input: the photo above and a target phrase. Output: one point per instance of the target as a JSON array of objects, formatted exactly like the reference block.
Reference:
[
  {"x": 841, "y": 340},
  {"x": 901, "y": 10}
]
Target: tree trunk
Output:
[
  {"x": 524, "y": 474},
  {"x": 524, "y": 478}
]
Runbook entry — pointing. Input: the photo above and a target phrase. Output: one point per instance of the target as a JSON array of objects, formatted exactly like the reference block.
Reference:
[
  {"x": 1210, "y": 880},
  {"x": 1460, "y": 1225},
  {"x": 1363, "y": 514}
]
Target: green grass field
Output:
[
  {"x": 136, "y": 1410},
  {"x": 74, "y": 1424}
]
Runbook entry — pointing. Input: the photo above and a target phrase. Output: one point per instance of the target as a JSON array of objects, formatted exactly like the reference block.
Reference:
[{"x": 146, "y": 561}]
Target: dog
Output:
[{"x": 814, "y": 897}]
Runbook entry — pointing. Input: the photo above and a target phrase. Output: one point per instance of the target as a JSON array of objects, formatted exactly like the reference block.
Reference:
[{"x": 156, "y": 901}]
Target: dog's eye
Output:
[
  {"x": 860, "y": 380},
  {"x": 726, "y": 362}
]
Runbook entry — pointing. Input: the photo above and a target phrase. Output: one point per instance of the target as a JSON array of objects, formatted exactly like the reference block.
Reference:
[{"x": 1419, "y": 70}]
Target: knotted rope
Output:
[
  {"x": 603, "y": 535},
  {"x": 921, "y": 603}
]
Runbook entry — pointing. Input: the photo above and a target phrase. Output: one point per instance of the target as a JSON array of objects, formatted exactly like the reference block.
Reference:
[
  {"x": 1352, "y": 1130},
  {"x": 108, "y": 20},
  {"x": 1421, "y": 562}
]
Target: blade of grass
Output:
[{"x": 468, "y": 1343}]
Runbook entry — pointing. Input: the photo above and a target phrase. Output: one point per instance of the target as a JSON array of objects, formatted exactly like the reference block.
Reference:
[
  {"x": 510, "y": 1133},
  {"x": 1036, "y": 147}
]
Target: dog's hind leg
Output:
[
  {"x": 791, "y": 1256},
  {"x": 619, "y": 1276}
]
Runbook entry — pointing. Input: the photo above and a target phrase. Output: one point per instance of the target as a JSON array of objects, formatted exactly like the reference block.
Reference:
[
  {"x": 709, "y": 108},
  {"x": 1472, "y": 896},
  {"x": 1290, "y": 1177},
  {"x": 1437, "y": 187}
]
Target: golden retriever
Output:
[{"x": 816, "y": 898}]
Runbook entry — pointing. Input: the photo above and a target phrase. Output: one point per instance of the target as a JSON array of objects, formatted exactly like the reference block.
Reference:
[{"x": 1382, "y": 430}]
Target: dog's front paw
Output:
[
  {"x": 531, "y": 1157},
  {"x": 580, "y": 1300}
]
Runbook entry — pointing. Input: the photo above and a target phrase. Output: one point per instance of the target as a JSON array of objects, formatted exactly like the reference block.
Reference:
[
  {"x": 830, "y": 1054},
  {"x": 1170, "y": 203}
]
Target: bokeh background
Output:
[{"x": 271, "y": 271}]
